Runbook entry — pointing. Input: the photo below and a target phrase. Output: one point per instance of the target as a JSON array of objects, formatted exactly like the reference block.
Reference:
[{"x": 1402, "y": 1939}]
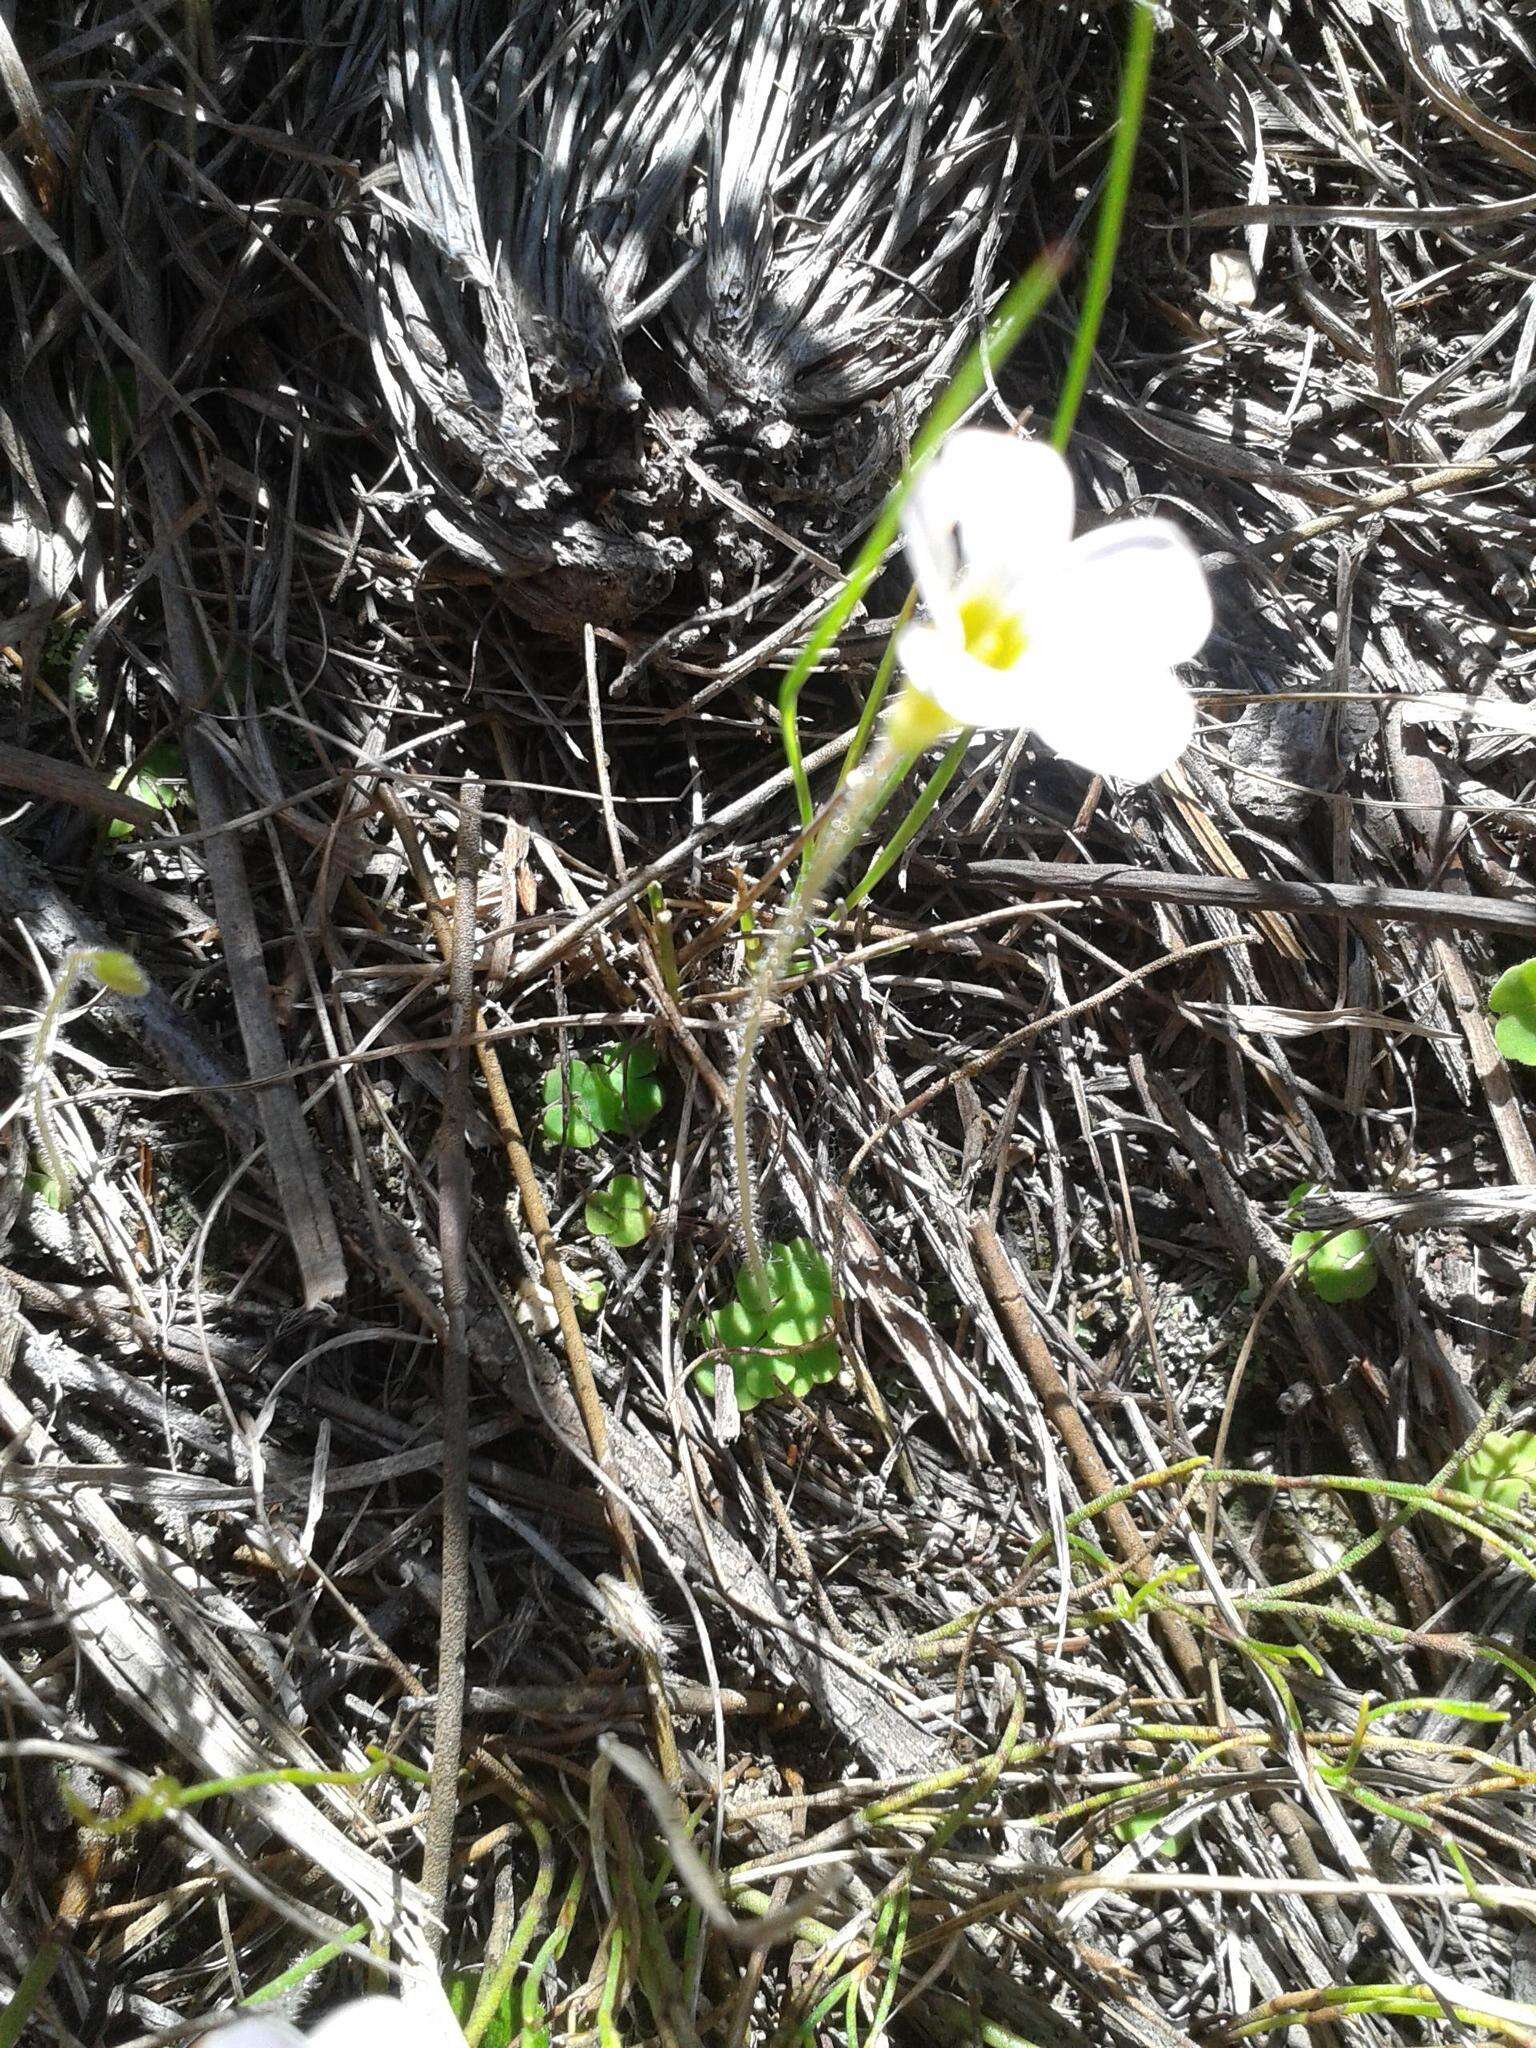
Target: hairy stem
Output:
[
  {"x": 39, "y": 1059},
  {"x": 844, "y": 820}
]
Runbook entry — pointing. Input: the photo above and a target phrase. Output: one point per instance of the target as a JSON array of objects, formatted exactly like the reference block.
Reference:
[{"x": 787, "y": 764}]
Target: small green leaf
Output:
[
  {"x": 1152, "y": 1822},
  {"x": 589, "y": 1291},
  {"x": 45, "y": 1188},
  {"x": 1343, "y": 1268},
  {"x": 158, "y": 781},
  {"x": 618, "y": 1212},
  {"x": 565, "y": 1121},
  {"x": 777, "y": 1331},
  {"x": 614, "y": 1094},
  {"x": 1502, "y": 1469},
  {"x": 1512, "y": 1000}
]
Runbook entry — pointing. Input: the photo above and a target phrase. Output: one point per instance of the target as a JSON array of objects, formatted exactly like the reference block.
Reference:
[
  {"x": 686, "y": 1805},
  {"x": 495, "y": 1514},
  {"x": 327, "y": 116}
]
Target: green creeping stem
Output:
[
  {"x": 962, "y": 1624},
  {"x": 165, "y": 1796}
]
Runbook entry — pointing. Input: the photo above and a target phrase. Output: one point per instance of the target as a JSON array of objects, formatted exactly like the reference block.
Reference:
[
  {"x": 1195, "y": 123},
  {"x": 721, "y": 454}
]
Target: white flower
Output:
[
  {"x": 364, "y": 2023},
  {"x": 1025, "y": 626}
]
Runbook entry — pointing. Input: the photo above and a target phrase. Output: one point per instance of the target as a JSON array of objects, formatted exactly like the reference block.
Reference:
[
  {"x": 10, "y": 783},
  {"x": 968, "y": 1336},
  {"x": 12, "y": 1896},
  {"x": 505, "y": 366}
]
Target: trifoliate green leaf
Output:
[
  {"x": 1343, "y": 1268},
  {"x": 1512, "y": 1000},
  {"x": 777, "y": 1331},
  {"x": 614, "y": 1094},
  {"x": 618, "y": 1212}
]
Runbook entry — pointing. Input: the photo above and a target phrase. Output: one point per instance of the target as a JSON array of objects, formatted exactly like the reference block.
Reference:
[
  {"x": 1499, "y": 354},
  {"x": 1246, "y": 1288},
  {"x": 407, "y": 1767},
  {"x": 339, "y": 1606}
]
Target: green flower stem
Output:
[
  {"x": 877, "y": 693},
  {"x": 1011, "y": 322},
  {"x": 847, "y": 815},
  {"x": 912, "y": 823},
  {"x": 1111, "y": 219}
]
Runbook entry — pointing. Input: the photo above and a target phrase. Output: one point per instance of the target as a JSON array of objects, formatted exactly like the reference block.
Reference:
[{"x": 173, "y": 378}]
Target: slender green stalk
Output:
[
  {"x": 846, "y": 817},
  {"x": 1007, "y": 328},
  {"x": 878, "y": 690},
  {"x": 1111, "y": 219},
  {"x": 917, "y": 816},
  {"x": 34, "y": 1982},
  {"x": 903, "y": 1909},
  {"x": 607, "y": 2032},
  {"x": 305, "y": 1967}
]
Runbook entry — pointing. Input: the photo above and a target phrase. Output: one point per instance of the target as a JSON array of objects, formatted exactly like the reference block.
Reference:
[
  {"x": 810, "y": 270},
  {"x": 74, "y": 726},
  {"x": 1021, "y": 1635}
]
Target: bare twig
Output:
[{"x": 453, "y": 1239}]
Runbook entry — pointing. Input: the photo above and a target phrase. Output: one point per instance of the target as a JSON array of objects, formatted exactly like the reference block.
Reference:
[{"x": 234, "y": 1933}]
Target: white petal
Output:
[
  {"x": 370, "y": 2023},
  {"x": 1009, "y": 501},
  {"x": 1133, "y": 723},
  {"x": 1139, "y": 595},
  {"x": 252, "y": 2032},
  {"x": 996, "y": 699}
]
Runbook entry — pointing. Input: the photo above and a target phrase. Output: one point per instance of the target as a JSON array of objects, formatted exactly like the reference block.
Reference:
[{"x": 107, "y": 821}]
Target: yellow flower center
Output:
[{"x": 994, "y": 635}]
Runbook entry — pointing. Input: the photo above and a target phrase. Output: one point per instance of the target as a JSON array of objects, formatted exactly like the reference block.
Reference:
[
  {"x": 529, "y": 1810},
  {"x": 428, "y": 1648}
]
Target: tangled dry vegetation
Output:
[{"x": 430, "y": 429}]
